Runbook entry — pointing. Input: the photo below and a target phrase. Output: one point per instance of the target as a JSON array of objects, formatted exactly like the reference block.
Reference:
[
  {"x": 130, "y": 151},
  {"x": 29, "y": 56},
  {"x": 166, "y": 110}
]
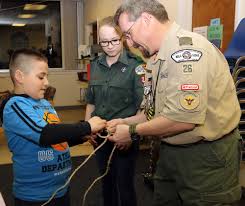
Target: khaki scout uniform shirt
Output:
[
  {"x": 194, "y": 86},
  {"x": 116, "y": 91}
]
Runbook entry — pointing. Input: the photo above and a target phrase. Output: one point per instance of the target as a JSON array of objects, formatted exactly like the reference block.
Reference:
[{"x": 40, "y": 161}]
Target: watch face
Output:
[{"x": 134, "y": 137}]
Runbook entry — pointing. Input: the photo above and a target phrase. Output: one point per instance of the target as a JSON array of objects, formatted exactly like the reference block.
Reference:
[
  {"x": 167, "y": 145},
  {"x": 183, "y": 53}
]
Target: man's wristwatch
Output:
[{"x": 132, "y": 132}]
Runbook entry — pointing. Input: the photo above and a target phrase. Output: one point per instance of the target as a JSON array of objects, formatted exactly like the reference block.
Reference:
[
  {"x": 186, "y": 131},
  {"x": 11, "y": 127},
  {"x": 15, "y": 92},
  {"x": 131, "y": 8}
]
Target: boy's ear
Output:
[{"x": 19, "y": 76}]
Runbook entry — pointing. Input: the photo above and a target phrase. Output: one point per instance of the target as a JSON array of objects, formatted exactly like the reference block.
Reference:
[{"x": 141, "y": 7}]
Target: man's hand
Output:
[
  {"x": 96, "y": 124},
  {"x": 111, "y": 125},
  {"x": 121, "y": 137}
]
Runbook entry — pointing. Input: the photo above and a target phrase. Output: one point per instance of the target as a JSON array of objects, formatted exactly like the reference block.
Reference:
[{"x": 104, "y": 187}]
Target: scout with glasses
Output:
[
  {"x": 115, "y": 91},
  {"x": 112, "y": 42}
]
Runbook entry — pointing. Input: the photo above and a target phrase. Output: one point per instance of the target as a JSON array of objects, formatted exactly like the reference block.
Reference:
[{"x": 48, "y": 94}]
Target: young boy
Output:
[{"x": 39, "y": 143}]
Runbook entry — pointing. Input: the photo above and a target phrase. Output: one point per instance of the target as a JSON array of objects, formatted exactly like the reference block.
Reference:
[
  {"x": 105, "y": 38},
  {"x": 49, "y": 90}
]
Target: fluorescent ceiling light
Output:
[
  {"x": 26, "y": 16},
  {"x": 35, "y": 6},
  {"x": 16, "y": 24}
]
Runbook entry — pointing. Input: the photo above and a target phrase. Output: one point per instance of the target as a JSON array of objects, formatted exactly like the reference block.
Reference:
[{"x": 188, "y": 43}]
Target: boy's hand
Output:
[
  {"x": 96, "y": 124},
  {"x": 92, "y": 140}
]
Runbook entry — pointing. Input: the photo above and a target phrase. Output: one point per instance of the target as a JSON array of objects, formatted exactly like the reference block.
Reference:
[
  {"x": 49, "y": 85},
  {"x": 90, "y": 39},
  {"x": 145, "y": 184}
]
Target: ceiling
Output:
[{"x": 10, "y": 9}]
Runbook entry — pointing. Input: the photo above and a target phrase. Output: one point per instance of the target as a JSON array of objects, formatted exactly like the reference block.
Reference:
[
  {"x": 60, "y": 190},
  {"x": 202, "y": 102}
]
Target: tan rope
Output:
[
  {"x": 74, "y": 172},
  {"x": 100, "y": 177}
]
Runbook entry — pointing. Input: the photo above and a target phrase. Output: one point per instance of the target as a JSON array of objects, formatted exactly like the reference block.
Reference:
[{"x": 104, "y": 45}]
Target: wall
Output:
[
  {"x": 204, "y": 11},
  {"x": 69, "y": 34},
  {"x": 240, "y": 12},
  {"x": 68, "y": 88},
  {"x": 178, "y": 10},
  {"x": 66, "y": 84},
  {"x": 98, "y": 9},
  {"x": 35, "y": 36}
]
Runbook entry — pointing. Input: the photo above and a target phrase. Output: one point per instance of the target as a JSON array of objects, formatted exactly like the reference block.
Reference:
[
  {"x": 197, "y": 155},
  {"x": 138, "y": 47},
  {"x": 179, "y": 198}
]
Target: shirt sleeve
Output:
[
  {"x": 184, "y": 92},
  {"x": 21, "y": 119}
]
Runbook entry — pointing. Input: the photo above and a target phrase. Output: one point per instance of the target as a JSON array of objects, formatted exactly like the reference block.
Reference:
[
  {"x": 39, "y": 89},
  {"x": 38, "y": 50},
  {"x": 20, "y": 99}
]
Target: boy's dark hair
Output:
[{"x": 20, "y": 59}]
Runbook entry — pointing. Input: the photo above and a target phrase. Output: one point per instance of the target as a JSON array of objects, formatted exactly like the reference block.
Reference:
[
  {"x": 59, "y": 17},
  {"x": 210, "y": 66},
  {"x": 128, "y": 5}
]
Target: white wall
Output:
[
  {"x": 240, "y": 12},
  {"x": 184, "y": 14}
]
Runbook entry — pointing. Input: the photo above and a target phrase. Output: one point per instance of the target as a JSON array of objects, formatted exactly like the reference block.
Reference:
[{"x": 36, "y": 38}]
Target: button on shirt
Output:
[
  {"x": 194, "y": 86},
  {"x": 116, "y": 91}
]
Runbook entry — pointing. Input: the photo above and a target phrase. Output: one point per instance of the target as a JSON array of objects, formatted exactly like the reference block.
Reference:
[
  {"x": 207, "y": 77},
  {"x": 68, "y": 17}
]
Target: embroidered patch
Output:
[
  {"x": 185, "y": 41},
  {"x": 123, "y": 69},
  {"x": 187, "y": 68},
  {"x": 143, "y": 78},
  {"x": 140, "y": 70},
  {"x": 186, "y": 55},
  {"x": 189, "y": 100},
  {"x": 164, "y": 75},
  {"x": 147, "y": 90},
  {"x": 192, "y": 87}
]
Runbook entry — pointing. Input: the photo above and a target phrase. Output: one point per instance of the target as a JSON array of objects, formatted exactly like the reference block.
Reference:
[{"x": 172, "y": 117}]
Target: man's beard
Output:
[{"x": 145, "y": 53}]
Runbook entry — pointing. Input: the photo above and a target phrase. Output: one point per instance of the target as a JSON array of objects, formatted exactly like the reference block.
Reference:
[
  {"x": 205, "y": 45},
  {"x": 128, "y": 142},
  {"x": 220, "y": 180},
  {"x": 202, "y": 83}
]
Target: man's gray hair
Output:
[{"x": 134, "y": 8}]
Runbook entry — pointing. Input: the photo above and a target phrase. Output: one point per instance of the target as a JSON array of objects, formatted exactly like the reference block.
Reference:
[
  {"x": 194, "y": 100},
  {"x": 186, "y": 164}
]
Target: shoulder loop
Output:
[{"x": 185, "y": 40}]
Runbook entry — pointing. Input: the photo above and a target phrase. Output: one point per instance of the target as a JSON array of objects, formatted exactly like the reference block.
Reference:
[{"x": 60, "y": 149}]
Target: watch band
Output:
[{"x": 132, "y": 132}]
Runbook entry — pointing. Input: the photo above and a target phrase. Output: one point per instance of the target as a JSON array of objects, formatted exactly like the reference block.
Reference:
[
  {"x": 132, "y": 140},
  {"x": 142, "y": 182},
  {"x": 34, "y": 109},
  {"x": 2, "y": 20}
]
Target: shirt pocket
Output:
[
  {"x": 96, "y": 88},
  {"x": 121, "y": 93},
  {"x": 161, "y": 85}
]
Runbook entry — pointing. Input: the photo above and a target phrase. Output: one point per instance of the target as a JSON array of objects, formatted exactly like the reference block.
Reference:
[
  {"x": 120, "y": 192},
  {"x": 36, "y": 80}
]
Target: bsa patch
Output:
[
  {"x": 140, "y": 70},
  {"x": 189, "y": 100},
  {"x": 186, "y": 55}
]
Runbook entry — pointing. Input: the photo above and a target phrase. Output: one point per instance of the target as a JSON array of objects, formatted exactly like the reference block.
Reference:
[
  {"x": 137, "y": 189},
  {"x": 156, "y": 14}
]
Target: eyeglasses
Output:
[
  {"x": 127, "y": 33},
  {"x": 112, "y": 42}
]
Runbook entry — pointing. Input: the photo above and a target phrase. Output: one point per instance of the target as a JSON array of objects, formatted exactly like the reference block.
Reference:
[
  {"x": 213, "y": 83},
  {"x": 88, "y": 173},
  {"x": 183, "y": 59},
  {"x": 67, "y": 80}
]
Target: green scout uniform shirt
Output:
[
  {"x": 116, "y": 91},
  {"x": 194, "y": 86}
]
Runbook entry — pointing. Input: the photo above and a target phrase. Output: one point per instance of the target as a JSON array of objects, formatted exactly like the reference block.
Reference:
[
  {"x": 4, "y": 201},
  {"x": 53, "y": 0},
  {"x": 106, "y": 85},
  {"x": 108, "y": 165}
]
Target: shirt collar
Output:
[{"x": 122, "y": 58}]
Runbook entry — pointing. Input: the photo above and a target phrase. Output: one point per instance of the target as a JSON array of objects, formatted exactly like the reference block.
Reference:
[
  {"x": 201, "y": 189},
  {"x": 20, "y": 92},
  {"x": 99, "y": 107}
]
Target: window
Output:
[{"x": 30, "y": 24}]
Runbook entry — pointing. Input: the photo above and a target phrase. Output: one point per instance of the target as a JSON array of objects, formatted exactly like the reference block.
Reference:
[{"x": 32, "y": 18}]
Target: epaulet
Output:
[{"x": 185, "y": 40}]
